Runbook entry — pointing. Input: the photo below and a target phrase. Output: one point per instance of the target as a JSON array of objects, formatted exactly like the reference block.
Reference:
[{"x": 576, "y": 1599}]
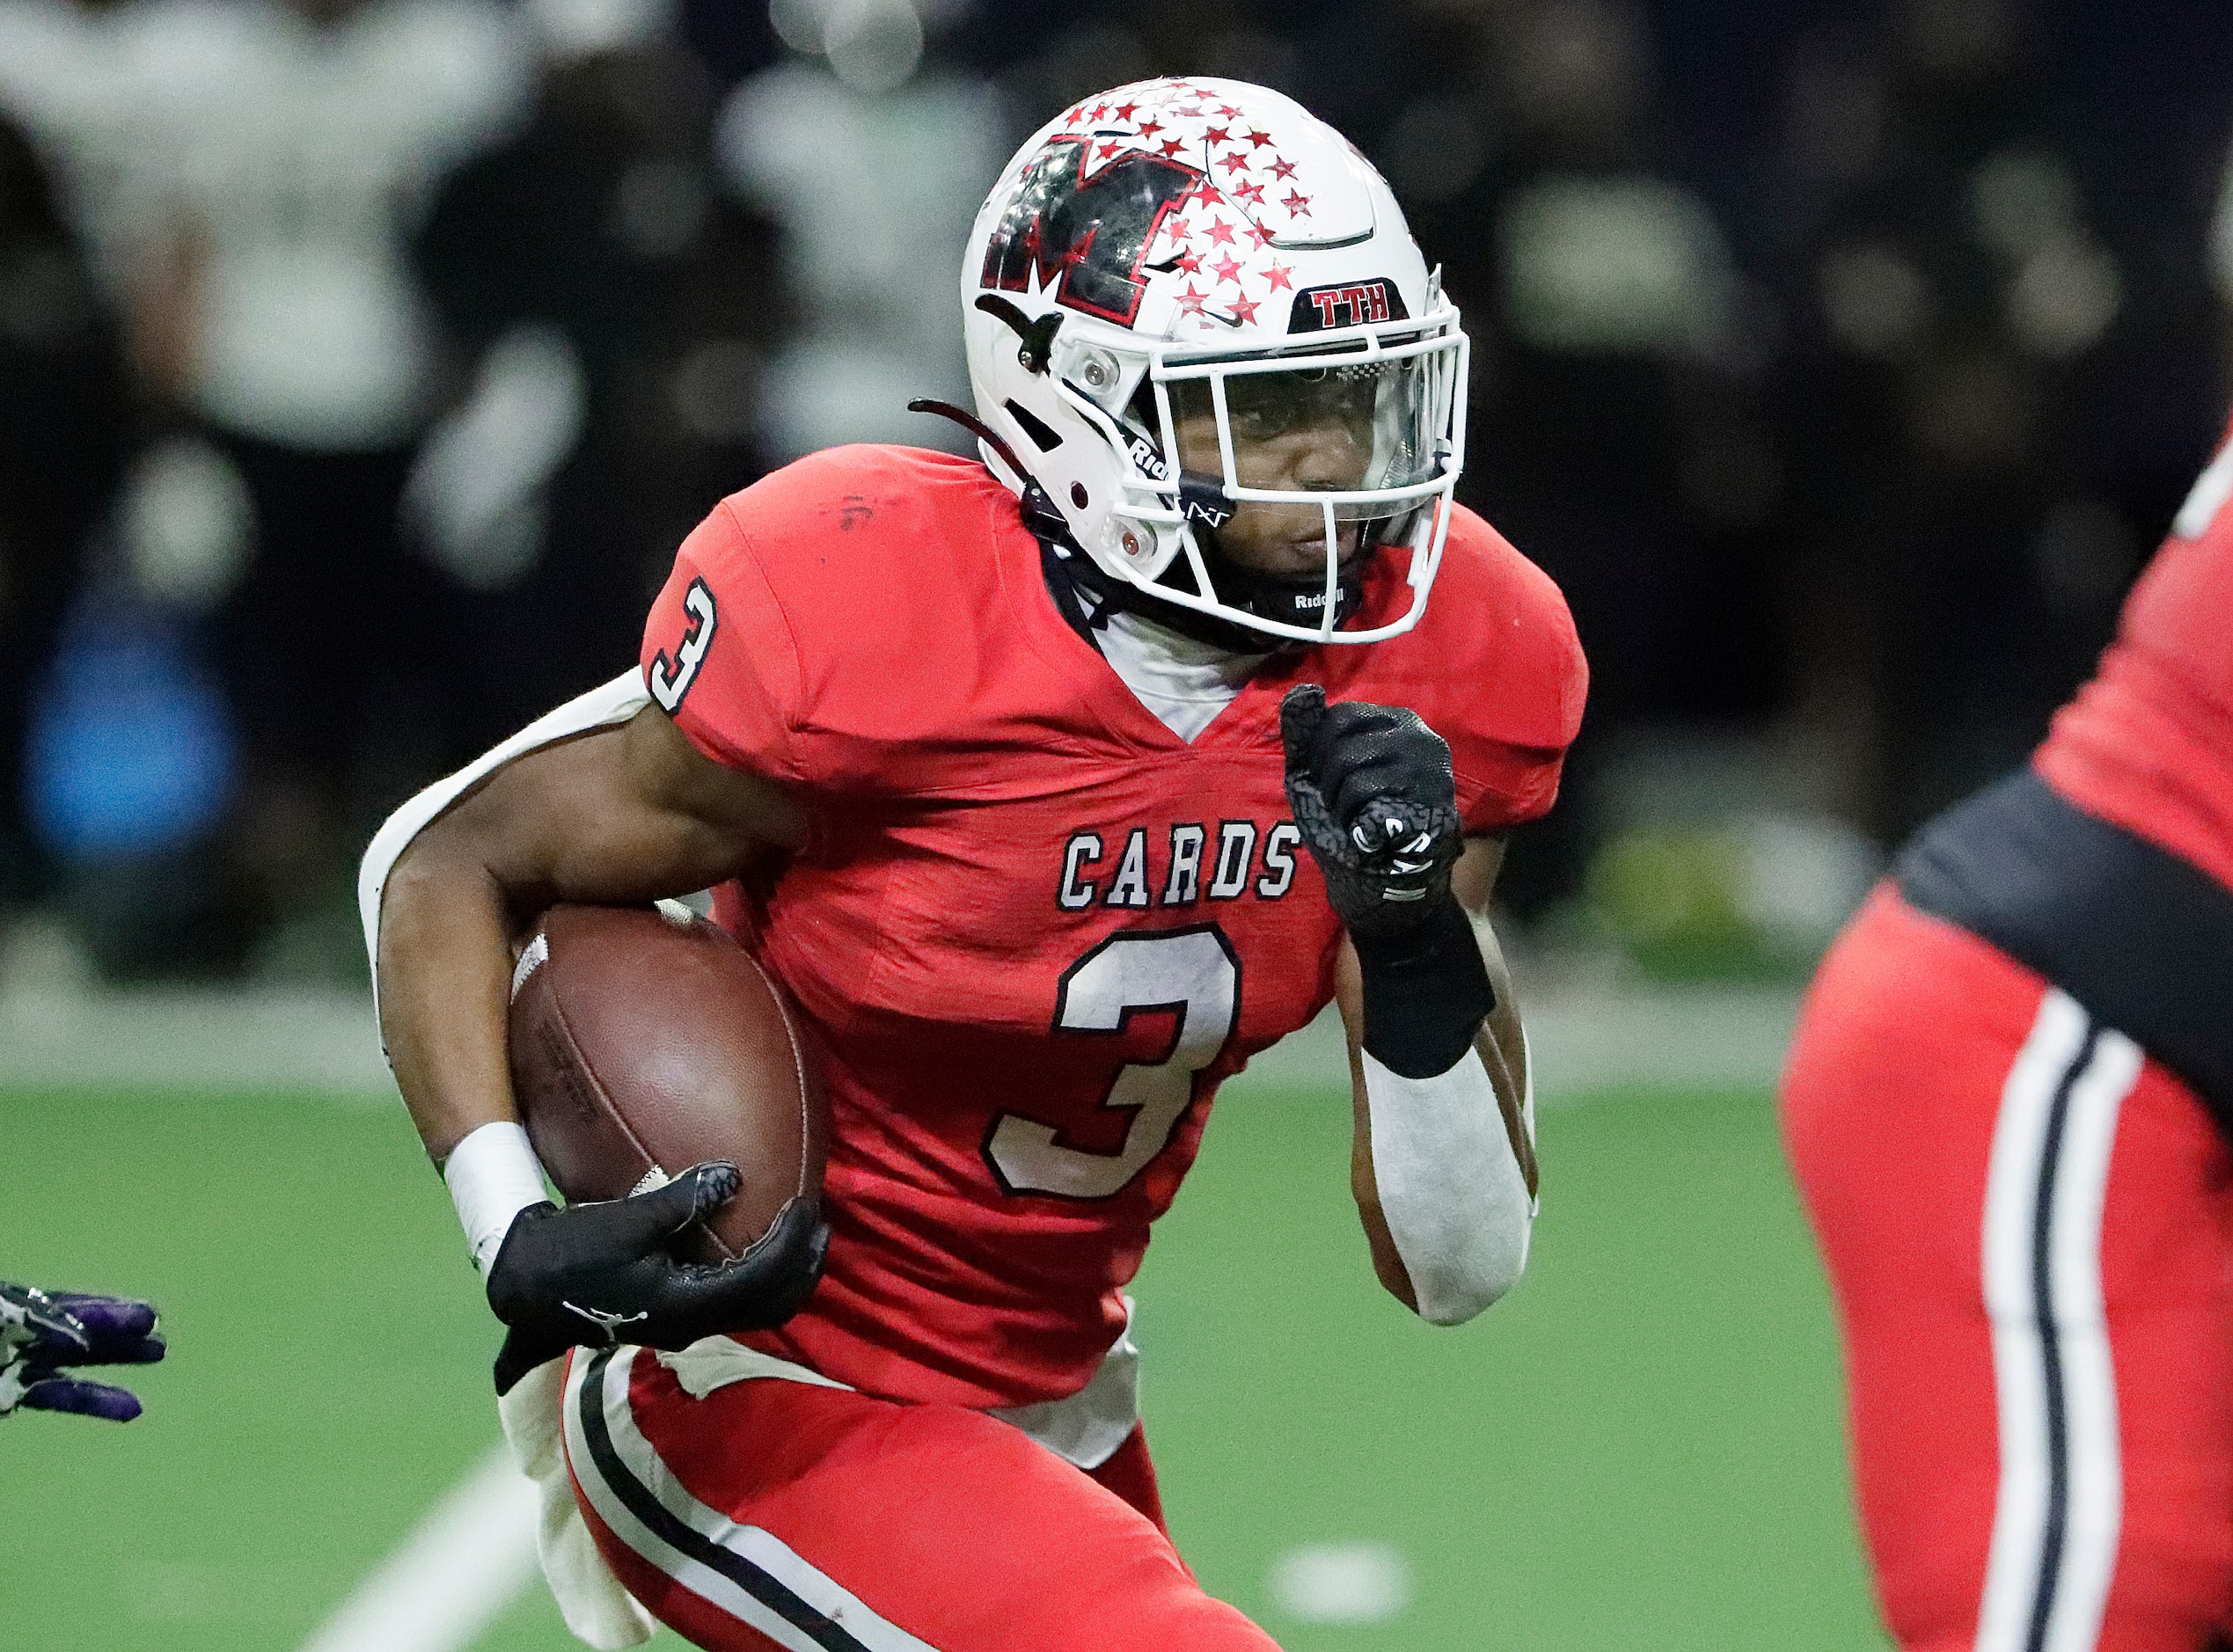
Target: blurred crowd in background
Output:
[{"x": 362, "y": 362}]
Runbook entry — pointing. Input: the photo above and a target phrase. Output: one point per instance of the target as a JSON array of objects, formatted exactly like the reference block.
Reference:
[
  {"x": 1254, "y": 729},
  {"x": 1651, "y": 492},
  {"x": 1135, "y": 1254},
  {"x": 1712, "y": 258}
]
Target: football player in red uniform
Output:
[
  {"x": 2008, "y": 1106},
  {"x": 1053, "y": 785}
]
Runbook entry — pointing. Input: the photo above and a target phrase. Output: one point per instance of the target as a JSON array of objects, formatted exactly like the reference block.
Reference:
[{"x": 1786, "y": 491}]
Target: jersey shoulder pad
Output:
[
  {"x": 907, "y": 517},
  {"x": 798, "y": 602}
]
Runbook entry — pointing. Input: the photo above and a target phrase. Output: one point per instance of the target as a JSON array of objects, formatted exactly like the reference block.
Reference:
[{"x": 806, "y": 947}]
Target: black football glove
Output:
[
  {"x": 596, "y": 1274},
  {"x": 1377, "y": 806},
  {"x": 41, "y": 1332},
  {"x": 1374, "y": 796}
]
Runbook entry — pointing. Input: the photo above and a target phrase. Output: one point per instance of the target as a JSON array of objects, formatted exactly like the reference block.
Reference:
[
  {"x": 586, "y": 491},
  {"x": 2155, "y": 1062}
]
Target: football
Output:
[{"x": 645, "y": 1040}]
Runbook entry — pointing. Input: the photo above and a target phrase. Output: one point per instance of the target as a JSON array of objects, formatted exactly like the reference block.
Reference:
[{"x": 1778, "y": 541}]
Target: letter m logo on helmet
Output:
[{"x": 1085, "y": 233}]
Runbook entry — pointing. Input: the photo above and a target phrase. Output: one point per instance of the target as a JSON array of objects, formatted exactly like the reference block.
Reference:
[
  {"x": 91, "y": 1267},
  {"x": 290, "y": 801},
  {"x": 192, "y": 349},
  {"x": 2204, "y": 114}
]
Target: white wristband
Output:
[{"x": 492, "y": 1175}]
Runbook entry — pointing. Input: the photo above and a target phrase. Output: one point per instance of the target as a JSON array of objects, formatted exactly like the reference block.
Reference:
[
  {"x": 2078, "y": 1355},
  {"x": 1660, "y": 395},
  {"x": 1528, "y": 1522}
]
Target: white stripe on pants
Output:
[{"x": 2055, "y": 1522}]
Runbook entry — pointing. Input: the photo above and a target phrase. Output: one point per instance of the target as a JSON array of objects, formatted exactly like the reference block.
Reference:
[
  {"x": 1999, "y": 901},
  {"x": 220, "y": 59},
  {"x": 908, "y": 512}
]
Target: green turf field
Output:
[{"x": 1639, "y": 1448}]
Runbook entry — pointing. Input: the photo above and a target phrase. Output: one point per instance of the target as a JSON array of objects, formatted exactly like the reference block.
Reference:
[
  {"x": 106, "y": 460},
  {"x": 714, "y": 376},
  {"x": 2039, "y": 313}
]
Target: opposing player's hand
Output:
[
  {"x": 44, "y": 1333},
  {"x": 1375, "y": 801},
  {"x": 593, "y": 1274}
]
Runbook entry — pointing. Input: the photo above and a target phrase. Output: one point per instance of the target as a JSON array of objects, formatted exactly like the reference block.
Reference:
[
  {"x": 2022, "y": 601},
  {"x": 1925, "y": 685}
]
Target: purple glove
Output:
[{"x": 41, "y": 1332}]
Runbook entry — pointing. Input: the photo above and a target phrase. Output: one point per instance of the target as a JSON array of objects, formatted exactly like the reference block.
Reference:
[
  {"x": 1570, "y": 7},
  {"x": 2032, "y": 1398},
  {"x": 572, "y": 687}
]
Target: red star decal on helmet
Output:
[
  {"x": 1244, "y": 311},
  {"x": 1263, "y": 235},
  {"x": 1220, "y": 233},
  {"x": 1257, "y": 140},
  {"x": 1236, "y": 162},
  {"x": 1278, "y": 276},
  {"x": 1216, "y": 134},
  {"x": 1108, "y": 149},
  {"x": 1190, "y": 302},
  {"x": 1228, "y": 270},
  {"x": 1074, "y": 116},
  {"x": 1282, "y": 169},
  {"x": 1149, "y": 129},
  {"x": 1253, "y": 193},
  {"x": 1227, "y": 110},
  {"x": 1206, "y": 193},
  {"x": 1172, "y": 146},
  {"x": 1125, "y": 111},
  {"x": 1101, "y": 112},
  {"x": 1191, "y": 262},
  {"x": 1294, "y": 202}
]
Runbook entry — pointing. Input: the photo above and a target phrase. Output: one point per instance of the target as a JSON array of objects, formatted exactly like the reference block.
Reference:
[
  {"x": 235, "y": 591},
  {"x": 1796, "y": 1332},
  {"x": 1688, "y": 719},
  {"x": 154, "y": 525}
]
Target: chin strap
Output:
[
  {"x": 1060, "y": 555},
  {"x": 1039, "y": 511}
]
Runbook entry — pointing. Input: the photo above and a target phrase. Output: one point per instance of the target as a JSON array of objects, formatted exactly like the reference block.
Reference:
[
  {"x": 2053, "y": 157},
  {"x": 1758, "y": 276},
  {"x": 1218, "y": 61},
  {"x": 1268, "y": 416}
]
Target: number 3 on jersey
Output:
[
  {"x": 1192, "y": 972},
  {"x": 670, "y": 680}
]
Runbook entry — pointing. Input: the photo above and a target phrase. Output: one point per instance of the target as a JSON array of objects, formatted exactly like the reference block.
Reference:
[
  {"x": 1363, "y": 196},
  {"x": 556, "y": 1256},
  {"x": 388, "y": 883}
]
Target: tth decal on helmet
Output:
[
  {"x": 1085, "y": 233},
  {"x": 1349, "y": 304}
]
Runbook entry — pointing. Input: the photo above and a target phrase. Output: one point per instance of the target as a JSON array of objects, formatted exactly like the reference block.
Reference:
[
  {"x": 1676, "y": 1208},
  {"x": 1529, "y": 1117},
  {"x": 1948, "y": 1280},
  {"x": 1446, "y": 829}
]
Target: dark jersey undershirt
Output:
[{"x": 2139, "y": 937}]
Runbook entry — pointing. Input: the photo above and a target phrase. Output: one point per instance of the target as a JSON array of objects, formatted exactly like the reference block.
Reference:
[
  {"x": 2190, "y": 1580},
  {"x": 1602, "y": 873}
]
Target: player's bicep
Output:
[{"x": 626, "y": 813}]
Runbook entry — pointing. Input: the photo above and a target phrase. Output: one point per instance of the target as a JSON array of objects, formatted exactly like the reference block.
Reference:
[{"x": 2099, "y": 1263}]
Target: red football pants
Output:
[
  {"x": 777, "y": 1514},
  {"x": 2029, "y": 1230}
]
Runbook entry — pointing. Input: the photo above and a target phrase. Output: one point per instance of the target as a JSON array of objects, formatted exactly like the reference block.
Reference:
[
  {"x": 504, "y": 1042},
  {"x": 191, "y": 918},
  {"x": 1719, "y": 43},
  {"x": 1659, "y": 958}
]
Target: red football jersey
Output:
[
  {"x": 2147, "y": 744},
  {"x": 1034, "y": 928}
]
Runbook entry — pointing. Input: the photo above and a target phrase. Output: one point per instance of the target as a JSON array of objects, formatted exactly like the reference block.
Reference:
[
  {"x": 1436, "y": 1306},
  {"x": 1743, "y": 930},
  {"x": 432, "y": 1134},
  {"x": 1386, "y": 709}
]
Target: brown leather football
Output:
[{"x": 642, "y": 1043}]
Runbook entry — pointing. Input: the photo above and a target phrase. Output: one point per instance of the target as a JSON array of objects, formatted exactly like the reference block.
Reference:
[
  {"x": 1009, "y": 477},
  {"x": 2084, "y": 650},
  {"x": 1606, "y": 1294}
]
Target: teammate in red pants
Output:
[{"x": 2007, "y": 1106}]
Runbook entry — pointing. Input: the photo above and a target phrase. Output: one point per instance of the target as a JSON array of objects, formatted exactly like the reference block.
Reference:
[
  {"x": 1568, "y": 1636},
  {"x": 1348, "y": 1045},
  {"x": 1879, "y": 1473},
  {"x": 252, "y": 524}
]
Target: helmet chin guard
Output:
[{"x": 1192, "y": 309}]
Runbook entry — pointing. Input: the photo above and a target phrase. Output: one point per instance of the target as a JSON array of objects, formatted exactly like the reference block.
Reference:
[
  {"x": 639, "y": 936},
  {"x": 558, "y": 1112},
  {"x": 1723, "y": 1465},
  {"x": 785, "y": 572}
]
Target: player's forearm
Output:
[
  {"x": 445, "y": 965},
  {"x": 1443, "y": 1169}
]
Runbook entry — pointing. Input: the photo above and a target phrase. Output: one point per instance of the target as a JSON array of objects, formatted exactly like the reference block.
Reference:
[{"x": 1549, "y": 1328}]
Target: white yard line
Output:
[
  {"x": 324, "y": 1044},
  {"x": 192, "y": 1040},
  {"x": 452, "y": 1576}
]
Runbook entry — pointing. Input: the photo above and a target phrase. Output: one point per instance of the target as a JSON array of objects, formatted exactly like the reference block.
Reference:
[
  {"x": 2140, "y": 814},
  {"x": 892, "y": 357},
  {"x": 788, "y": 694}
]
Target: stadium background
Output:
[{"x": 1841, "y": 361}]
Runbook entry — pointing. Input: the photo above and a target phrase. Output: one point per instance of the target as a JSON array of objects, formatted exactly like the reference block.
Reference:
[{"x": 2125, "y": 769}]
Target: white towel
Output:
[{"x": 596, "y": 1607}]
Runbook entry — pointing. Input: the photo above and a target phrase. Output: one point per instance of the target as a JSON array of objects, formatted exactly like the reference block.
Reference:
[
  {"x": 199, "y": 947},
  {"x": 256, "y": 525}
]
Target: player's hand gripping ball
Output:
[
  {"x": 42, "y": 1333},
  {"x": 673, "y": 1099},
  {"x": 1376, "y": 803},
  {"x": 600, "y": 1273}
]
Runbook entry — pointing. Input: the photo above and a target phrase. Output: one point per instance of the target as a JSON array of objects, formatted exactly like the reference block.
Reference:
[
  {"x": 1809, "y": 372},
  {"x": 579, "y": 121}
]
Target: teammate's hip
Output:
[{"x": 2027, "y": 1224}]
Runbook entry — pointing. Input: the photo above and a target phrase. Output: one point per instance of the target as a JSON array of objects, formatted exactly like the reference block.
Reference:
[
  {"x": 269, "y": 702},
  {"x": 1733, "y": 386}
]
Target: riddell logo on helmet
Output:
[
  {"x": 1349, "y": 304},
  {"x": 1150, "y": 462}
]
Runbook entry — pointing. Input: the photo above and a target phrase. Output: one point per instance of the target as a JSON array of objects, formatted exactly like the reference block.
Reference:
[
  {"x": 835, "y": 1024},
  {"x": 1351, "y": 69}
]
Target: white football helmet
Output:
[{"x": 1180, "y": 250}]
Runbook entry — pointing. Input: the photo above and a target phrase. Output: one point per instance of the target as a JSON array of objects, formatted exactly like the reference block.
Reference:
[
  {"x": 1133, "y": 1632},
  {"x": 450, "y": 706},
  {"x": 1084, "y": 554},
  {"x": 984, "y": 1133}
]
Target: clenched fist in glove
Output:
[
  {"x": 1376, "y": 803},
  {"x": 1374, "y": 800}
]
